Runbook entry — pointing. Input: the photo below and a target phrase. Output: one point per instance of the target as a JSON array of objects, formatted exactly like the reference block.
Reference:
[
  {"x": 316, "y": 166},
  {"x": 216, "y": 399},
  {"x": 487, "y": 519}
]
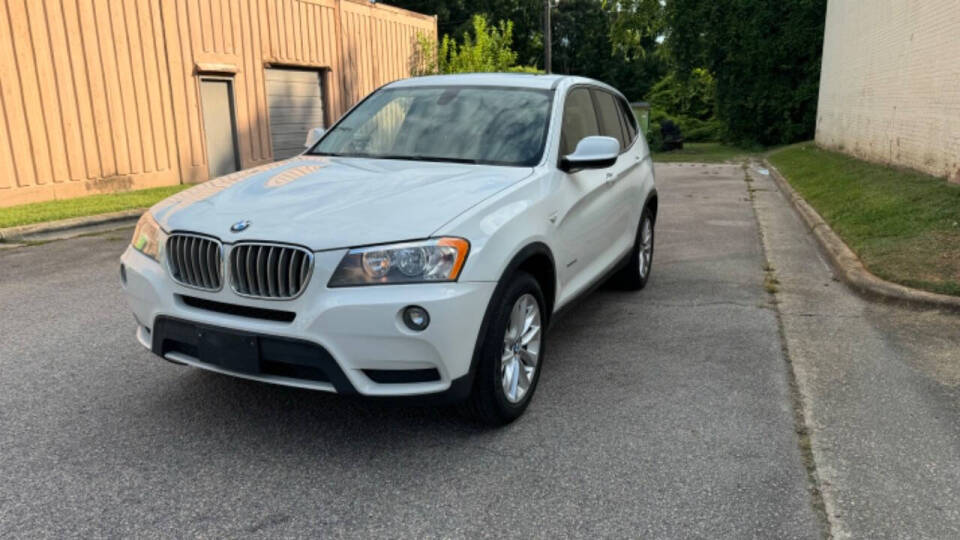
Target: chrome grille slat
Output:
[
  {"x": 204, "y": 275},
  {"x": 270, "y": 271},
  {"x": 186, "y": 269},
  {"x": 251, "y": 277},
  {"x": 195, "y": 261},
  {"x": 261, "y": 272},
  {"x": 292, "y": 276},
  {"x": 192, "y": 262},
  {"x": 213, "y": 259},
  {"x": 239, "y": 278},
  {"x": 282, "y": 276},
  {"x": 304, "y": 270}
]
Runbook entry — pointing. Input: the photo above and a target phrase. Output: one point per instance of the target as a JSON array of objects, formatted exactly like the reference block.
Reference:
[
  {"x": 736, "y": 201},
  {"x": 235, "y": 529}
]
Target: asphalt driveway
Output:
[{"x": 664, "y": 413}]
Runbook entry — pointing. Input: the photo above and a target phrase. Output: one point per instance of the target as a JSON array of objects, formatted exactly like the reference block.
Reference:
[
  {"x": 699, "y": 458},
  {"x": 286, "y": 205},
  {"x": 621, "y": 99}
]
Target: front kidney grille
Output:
[
  {"x": 269, "y": 270},
  {"x": 195, "y": 261}
]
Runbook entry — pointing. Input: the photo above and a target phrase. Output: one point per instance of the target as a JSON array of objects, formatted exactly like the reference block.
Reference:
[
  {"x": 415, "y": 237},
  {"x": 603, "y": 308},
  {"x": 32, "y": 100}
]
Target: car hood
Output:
[{"x": 331, "y": 202}]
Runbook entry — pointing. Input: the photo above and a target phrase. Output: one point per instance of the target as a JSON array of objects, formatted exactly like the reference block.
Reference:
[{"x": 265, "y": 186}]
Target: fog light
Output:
[{"x": 416, "y": 318}]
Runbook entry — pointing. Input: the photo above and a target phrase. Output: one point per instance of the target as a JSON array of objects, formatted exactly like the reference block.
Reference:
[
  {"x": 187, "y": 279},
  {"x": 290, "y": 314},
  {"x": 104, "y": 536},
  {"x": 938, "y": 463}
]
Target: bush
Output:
[
  {"x": 655, "y": 138},
  {"x": 488, "y": 49},
  {"x": 690, "y": 96},
  {"x": 691, "y": 128},
  {"x": 696, "y": 130},
  {"x": 525, "y": 69}
]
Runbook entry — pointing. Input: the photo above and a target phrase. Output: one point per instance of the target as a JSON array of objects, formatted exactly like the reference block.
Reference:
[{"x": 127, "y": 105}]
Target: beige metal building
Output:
[
  {"x": 105, "y": 95},
  {"x": 890, "y": 83}
]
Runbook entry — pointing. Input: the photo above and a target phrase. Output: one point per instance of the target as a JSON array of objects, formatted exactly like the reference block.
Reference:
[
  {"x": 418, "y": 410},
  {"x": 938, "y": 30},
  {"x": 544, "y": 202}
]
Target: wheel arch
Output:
[
  {"x": 652, "y": 203},
  {"x": 535, "y": 258}
]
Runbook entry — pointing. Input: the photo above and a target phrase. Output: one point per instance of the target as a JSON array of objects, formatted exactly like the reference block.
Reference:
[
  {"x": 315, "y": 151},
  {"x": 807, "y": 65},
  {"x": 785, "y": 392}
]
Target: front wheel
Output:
[
  {"x": 637, "y": 270},
  {"x": 511, "y": 354}
]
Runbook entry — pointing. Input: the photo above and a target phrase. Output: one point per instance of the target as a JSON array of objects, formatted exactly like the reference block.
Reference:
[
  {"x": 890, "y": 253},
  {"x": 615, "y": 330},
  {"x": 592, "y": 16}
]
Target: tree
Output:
[
  {"x": 455, "y": 17},
  {"x": 486, "y": 49},
  {"x": 634, "y": 25},
  {"x": 582, "y": 31},
  {"x": 692, "y": 94},
  {"x": 765, "y": 56},
  {"x": 582, "y": 45}
]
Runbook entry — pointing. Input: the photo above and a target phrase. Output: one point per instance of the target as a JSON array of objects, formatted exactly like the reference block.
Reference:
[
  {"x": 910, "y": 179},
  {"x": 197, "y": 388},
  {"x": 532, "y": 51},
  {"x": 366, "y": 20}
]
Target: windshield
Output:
[{"x": 463, "y": 124}]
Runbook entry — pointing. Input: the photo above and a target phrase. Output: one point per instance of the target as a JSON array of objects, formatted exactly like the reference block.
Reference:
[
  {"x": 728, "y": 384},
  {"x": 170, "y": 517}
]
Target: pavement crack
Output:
[{"x": 802, "y": 422}]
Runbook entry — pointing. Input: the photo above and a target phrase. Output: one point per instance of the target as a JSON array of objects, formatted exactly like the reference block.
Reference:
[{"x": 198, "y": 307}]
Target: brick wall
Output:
[{"x": 890, "y": 83}]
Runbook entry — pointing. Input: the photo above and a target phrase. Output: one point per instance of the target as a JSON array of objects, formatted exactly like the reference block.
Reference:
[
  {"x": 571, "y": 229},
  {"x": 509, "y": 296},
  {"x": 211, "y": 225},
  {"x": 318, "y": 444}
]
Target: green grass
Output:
[
  {"x": 26, "y": 214},
  {"x": 703, "y": 152},
  {"x": 904, "y": 225}
]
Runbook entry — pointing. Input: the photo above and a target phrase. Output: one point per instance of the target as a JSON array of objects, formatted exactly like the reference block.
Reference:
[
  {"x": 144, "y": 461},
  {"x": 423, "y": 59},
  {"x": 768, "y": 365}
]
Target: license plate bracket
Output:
[{"x": 235, "y": 352}]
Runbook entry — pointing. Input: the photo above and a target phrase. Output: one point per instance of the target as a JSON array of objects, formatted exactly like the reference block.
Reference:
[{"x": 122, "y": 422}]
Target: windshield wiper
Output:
[
  {"x": 415, "y": 157},
  {"x": 420, "y": 157}
]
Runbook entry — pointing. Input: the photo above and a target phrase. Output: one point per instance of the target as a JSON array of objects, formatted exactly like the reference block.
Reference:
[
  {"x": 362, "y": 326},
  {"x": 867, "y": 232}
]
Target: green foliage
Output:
[
  {"x": 486, "y": 50},
  {"x": 688, "y": 102},
  {"x": 424, "y": 58},
  {"x": 525, "y": 69},
  {"x": 704, "y": 152},
  {"x": 633, "y": 24},
  {"x": 582, "y": 46},
  {"x": 455, "y": 17},
  {"x": 765, "y": 57},
  {"x": 581, "y": 38},
  {"x": 691, "y": 128},
  {"x": 691, "y": 96}
]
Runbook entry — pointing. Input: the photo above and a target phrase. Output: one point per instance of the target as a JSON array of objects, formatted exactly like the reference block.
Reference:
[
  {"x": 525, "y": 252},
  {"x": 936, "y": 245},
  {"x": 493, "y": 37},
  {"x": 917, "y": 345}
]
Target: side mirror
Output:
[
  {"x": 593, "y": 152},
  {"x": 313, "y": 136}
]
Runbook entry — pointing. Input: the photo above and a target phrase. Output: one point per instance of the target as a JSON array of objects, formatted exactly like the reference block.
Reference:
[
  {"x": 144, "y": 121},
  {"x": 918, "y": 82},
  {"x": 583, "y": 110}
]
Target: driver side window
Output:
[{"x": 579, "y": 120}]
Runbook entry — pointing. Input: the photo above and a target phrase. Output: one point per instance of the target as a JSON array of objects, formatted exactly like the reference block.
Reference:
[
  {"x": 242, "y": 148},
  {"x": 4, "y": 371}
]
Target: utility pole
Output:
[{"x": 547, "y": 39}]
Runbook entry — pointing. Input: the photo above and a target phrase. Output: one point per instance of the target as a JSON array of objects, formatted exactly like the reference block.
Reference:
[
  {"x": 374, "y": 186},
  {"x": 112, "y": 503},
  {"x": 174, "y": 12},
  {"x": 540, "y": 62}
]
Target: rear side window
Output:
[
  {"x": 610, "y": 123},
  {"x": 579, "y": 120},
  {"x": 629, "y": 118}
]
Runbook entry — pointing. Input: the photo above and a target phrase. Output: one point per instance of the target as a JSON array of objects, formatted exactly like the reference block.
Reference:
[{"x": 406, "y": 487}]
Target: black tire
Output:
[
  {"x": 488, "y": 403},
  {"x": 632, "y": 276}
]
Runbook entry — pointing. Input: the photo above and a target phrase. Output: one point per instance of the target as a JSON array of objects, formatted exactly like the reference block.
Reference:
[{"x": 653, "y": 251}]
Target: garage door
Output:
[{"x": 295, "y": 103}]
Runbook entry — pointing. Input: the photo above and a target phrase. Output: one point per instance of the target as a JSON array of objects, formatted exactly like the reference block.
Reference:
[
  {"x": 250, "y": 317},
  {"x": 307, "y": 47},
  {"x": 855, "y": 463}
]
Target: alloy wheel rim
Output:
[
  {"x": 646, "y": 247},
  {"x": 521, "y": 348}
]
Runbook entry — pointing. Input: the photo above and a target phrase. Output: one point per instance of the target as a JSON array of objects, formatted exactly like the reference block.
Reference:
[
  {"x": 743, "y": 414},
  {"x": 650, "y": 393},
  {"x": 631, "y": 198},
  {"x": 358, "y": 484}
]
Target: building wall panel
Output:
[
  {"x": 890, "y": 83},
  {"x": 103, "y": 95}
]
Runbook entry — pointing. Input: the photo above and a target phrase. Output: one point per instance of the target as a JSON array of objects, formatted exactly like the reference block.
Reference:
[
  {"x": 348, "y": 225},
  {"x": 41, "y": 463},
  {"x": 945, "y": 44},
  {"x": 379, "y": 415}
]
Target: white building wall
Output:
[{"x": 890, "y": 83}]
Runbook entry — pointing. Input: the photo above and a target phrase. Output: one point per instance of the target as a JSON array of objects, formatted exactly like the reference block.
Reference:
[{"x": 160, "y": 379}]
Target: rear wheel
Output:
[
  {"x": 511, "y": 354},
  {"x": 637, "y": 270}
]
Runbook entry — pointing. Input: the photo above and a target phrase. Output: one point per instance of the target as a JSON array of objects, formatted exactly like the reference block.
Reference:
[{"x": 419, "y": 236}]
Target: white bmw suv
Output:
[{"x": 420, "y": 247}]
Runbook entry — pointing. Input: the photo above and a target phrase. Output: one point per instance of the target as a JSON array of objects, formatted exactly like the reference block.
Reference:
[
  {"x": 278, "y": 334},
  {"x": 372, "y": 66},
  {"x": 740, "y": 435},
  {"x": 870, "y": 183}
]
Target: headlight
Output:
[
  {"x": 148, "y": 237},
  {"x": 439, "y": 259}
]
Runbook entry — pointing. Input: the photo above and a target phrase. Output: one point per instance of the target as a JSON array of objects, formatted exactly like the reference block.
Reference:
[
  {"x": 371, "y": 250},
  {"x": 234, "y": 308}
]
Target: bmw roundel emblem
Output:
[{"x": 240, "y": 226}]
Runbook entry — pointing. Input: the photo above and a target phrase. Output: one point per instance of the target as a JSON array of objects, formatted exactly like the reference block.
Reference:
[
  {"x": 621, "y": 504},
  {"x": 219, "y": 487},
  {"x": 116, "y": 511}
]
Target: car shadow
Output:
[{"x": 207, "y": 402}]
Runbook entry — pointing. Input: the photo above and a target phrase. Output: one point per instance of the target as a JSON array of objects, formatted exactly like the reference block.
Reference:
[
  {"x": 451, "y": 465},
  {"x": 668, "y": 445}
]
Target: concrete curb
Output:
[
  {"x": 848, "y": 266},
  {"x": 68, "y": 228}
]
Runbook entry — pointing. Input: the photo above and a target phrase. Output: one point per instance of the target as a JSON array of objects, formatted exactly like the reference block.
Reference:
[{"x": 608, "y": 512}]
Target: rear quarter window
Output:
[{"x": 610, "y": 122}]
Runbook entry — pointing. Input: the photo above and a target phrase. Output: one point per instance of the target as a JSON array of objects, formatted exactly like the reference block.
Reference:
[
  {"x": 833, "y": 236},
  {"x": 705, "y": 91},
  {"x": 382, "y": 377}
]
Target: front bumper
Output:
[{"x": 356, "y": 330}]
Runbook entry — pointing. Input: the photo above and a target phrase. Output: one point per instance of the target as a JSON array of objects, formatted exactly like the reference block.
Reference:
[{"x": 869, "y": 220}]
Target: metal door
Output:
[
  {"x": 295, "y": 99},
  {"x": 219, "y": 125}
]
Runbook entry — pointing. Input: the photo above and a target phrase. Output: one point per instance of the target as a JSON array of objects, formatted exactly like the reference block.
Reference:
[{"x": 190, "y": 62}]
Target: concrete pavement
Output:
[
  {"x": 880, "y": 387},
  {"x": 660, "y": 414}
]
